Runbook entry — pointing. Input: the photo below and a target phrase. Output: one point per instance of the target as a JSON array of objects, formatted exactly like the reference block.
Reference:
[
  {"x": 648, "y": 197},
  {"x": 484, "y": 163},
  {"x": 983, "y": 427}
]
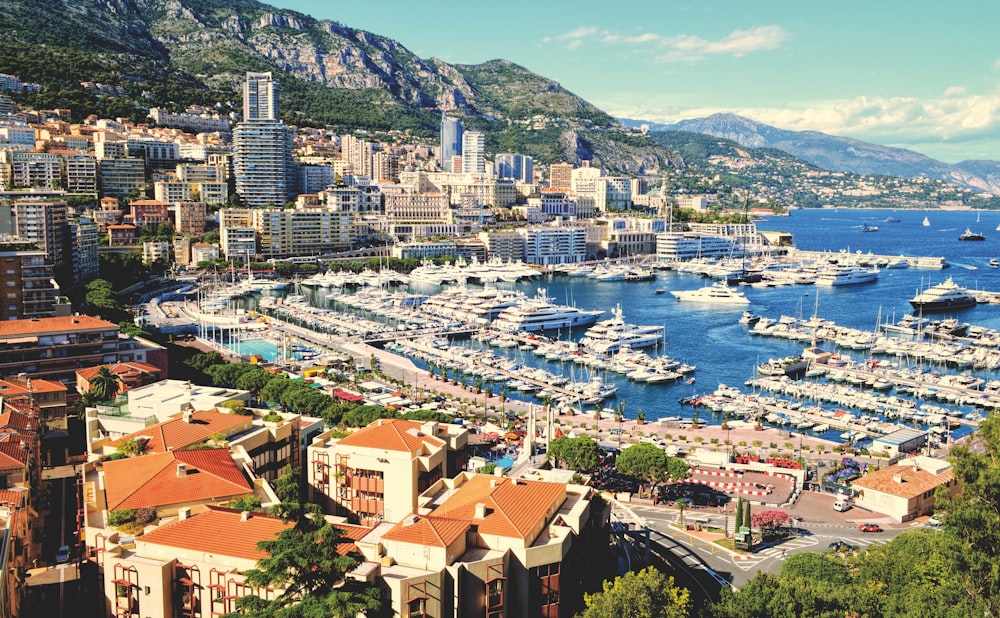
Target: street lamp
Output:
[{"x": 621, "y": 416}]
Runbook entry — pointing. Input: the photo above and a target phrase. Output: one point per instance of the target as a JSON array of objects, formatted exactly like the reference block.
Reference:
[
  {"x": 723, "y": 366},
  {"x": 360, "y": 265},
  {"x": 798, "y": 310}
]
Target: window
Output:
[
  {"x": 547, "y": 583},
  {"x": 417, "y": 608},
  {"x": 494, "y": 598}
]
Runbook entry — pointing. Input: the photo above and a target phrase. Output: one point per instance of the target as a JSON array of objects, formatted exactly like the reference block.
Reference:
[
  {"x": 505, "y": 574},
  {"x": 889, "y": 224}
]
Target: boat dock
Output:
[{"x": 929, "y": 263}]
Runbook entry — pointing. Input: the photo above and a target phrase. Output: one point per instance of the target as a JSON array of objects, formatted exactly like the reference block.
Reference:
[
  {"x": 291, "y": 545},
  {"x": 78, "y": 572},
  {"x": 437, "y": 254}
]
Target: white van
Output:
[{"x": 841, "y": 505}]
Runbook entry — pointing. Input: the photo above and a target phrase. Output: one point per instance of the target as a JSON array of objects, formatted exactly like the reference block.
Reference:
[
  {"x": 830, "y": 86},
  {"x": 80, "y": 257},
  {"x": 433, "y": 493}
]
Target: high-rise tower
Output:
[
  {"x": 451, "y": 141},
  {"x": 262, "y": 146},
  {"x": 473, "y": 152}
]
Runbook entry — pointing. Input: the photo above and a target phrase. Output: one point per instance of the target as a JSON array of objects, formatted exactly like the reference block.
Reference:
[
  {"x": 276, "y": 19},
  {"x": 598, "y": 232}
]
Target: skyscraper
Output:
[
  {"x": 518, "y": 167},
  {"x": 473, "y": 152},
  {"x": 262, "y": 146},
  {"x": 451, "y": 141}
]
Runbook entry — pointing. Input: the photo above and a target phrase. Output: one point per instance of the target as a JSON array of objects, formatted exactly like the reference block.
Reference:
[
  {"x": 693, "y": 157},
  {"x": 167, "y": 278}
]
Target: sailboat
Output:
[{"x": 927, "y": 222}]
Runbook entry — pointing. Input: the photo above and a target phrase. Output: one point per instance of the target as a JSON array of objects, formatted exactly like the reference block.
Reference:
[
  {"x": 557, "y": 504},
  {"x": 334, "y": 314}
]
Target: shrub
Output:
[
  {"x": 273, "y": 417},
  {"x": 144, "y": 515},
  {"x": 119, "y": 517}
]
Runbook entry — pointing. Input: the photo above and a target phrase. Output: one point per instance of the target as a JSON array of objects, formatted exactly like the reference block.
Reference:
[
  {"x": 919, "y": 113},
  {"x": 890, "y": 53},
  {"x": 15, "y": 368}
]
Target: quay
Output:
[{"x": 930, "y": 263}]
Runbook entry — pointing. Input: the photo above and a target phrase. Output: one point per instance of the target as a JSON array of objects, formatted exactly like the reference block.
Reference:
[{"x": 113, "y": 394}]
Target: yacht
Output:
[
  {"x": 869, "y": 228},
  {"x": 845, "y": 274},
  {"x": 970, "y": 235},
  {"x": 943, "y": 296},
  {"x": 927, "y": 222},
  {"x": 717, "y": 294},
  {"x": 539, "y": 313},
  {"x": 994, "y": 263},
  {"x": 614, "y": 335}
]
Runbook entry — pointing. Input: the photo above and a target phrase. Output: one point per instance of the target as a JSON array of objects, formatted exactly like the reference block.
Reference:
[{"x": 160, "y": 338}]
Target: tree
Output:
[
  {"x": 306, "y": 560},
  {"x": 646, "y": 594},
  {"x": 650, "y": 465},
  {"x": 681, "y": 505},
  {"x": 129, "y": 447},
  {"x": 104, "y": 384},
  {"x": 581, "y": 453},
  {"x": 769, "y": 520}
]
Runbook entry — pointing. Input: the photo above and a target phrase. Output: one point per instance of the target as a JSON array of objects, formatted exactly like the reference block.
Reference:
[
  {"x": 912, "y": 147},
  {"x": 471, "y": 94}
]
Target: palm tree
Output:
[
  {"x": 681, "y": 506},
  {"x": 104, "y": 385}
]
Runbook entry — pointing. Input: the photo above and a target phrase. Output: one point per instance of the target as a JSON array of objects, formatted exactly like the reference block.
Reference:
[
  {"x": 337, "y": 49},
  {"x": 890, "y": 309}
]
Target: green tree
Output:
[
  {"x": 646, "y": 594},
  {"x": 104, "y": 385},
  {"x": 580, "y": 453},
  {"x": 305, "y": 560},
  {"x": 648, "y": 464},
  {"x": 129, "y": 447}
]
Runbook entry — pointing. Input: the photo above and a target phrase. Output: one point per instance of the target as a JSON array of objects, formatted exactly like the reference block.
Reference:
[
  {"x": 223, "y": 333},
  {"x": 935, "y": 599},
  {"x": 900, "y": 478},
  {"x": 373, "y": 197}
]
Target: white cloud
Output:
[
  {"x": 996, "y": 65},
  {"x": 681, "y": 47}
]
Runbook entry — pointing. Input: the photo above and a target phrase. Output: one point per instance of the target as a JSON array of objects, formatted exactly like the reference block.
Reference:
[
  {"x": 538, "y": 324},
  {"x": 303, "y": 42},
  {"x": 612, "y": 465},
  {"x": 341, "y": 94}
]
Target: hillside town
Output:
[{"x": 162, "y": 463}]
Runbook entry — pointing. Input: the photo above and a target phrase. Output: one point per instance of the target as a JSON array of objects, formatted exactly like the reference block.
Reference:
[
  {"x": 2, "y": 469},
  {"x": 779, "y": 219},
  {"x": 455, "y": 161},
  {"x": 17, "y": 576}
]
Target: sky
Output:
[{"x": 913, "y": 74}]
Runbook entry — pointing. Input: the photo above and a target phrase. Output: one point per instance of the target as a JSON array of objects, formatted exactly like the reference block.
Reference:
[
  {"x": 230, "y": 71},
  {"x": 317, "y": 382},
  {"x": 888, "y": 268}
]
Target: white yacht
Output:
[
  {"x": 718, "y": 294},
  {"x": 943, "y": 296},
  {"x": 845, "y": 274},
  {"x": 612, "y": 335},
  {"x": 539, "y": 313}
]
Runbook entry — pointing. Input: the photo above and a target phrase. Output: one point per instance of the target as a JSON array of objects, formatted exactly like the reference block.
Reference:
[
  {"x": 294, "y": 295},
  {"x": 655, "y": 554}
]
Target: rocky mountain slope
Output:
[{"x": 842, "y": 154}]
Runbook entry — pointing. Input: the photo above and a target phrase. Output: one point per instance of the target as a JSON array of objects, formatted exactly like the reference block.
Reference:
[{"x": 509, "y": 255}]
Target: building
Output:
[
  {"x": 197, "y": 121},
  {"x": 44, "y": 400},
  {"x": 481, "y": 545},
  {"x": 554, "y": 245},
  {"x": 85, "y": 246},
  {"x": 473, "y": 152},
  {"x": 377, "y": 472},
  {"x": 153, "y": 250},
  {"x": 129, "y": 374},
  {"x": 189, "y": 218},
  {"x": 505, "y": 246},
  {"x": 27, "y": 282},
  {"x": 262, "y": 146},
  {"x": 899, "y": 442},
  {"x": 54, "y": 348},
  {"x": 121, "y": 177},
  {"x": 148, "y": 214},
  {"x": 561, "y": 176},
  {"x": 451, "y": 142},
  {"x": 304, "y": 230},
  {"x": 204, "y": 252},
  {"x": 121, "y": 235},
  {"x": 516, "y": 167},
  {"x": 182, "y": 250},
  {"x": 45, "y": 223},
  {"x": 904, "y": 491},
  {"x": 237, "y": 234},
  {"x": 680, "y": 246}
]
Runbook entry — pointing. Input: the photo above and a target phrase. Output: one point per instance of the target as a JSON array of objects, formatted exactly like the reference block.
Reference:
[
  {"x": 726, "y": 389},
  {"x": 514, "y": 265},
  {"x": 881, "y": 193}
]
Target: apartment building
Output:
[
  {"x": 44, "y": 222},
  {"x": 376, "y": 473},
  {"x": 408, "y": 207},
  {"x": 121, "y": 177},
  {"x": 507, "y": 246},
  {"x": 85, "y": 246},
  {"x": 148, "y": 214},
  {"x": 237, "y": 234},
  {"x": 302, "y": 231},
  {"x": 561, "y": 176},
  {"x": 189, "y": 218},
  {"x": 554, "y": 245},
  {"x": 26, "y": 282}
]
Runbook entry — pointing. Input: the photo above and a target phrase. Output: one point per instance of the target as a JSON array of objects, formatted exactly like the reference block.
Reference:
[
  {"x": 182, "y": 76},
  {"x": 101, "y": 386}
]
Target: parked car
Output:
[
  {"x": 839, "y": 546},
  {"x": 869, "y": 527},
  {"x": 62, "y": 554}
]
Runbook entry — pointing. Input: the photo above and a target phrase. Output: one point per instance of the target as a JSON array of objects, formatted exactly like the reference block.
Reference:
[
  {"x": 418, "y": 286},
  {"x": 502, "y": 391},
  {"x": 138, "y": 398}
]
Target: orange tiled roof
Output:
[
  {"x": 219, "y": 531},
  {"x": 45, "y": 326},
  {"x": 12, "y": 455},
  {"x": 432, "y": 531},
  {"x": 392, "y": 435},
  {"x": 15, "y": 386},
  {"x": 18, "y": 421},
  {"x": 118, "y": 369},
  {"x": 513, "y": 508},
  {"x": 176, "y": 433},
  {"x": 152, "y": 480},
  {"x": 13, "y": 498},
  {"x": 915, "y": 481}
]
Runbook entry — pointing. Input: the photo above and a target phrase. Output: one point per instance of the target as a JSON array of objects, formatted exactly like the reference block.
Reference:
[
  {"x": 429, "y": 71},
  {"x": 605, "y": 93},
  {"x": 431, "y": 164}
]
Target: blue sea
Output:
[{"x": 723, "y": 350}]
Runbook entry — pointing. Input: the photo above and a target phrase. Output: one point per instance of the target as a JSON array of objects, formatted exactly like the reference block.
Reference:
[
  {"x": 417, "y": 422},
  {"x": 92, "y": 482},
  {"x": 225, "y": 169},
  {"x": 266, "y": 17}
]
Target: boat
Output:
[
  {"x": 539, "y": 313},
  {"x": 614, "y": 335},
  {"x": 970, "y": 235},
  {"x": 869, "y": 228},
  {"x": 927, "y": 222},
  {"x": 659, "y": 291},
  {"x": 994, "y": 263},
  {"x": 717, "y": 294},
  {"x": 890, "y": 220},
  {"x": 845, "y": 274},
  {"x": 944, "y": 296}
]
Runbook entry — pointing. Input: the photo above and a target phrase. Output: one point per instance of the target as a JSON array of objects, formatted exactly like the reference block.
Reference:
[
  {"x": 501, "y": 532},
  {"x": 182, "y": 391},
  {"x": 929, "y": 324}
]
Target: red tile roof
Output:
[
  {"x": 176, "y": 433},
  {"x": 18, "y": 421},
  {"x": 11, "y": 453},
  {"x": 152, "y": 480},
  {"x": 14, "y": 386},
  {"x": 219, "y": 531},
  {"x": 45, "y": 326},
  {"x": 913, "y": 481},
  {"x": 15, "y": 499},
  {"x": 432, "y": 531},
  {"x": 119, "y": 369},
  {"x": 514, "y": 508},
  {"x": 392, "y": 435}
]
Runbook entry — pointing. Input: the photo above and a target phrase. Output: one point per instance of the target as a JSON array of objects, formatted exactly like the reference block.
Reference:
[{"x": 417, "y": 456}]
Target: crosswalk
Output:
[{"x": 783, "y": 550}]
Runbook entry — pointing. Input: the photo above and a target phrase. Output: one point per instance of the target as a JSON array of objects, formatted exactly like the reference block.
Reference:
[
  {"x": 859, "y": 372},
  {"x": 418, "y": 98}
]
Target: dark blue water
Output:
[{"x": 723, "y": 350}]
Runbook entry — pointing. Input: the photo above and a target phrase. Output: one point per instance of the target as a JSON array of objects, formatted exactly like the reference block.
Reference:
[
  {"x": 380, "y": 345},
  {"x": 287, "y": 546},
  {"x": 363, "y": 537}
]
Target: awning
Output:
[{"x": 23, "y": 340}]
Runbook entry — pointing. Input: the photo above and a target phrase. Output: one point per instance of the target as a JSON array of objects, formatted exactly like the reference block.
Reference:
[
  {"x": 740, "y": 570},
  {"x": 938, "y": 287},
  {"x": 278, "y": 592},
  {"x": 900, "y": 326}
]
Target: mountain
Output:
[
  {"x": 841, "y": 154},
  {"x": 173, "y": 53}
]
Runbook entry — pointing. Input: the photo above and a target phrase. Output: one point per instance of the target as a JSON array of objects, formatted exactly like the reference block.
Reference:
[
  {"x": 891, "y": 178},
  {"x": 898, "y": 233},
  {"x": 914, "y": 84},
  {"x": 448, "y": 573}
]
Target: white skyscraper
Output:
[
  {"x": 262, "y": 146},
  {"x": 473, "y": 152}
]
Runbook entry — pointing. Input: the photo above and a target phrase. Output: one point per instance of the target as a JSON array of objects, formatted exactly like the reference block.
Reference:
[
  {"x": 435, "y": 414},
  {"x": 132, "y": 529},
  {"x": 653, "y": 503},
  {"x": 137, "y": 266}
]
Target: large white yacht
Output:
[
  {"x": 614, "y": 334},
  {"x": 943, "y": 296},
  {"x": 718, "y": 294},
  {"x": 539, "y": 313},
  {"x": 845, "y": 274}
]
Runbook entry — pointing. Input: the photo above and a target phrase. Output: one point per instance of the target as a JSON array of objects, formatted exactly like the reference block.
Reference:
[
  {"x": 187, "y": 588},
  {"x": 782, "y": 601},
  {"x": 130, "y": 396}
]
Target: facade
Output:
[
  {"x": 673, "y": 246},
  {"x": 377, "y": 472},
  {"x": 237, "y": 235},
  {"x": 54, "y": 348},
  {"x": 86, "y": 260},
  {"x": 80, "y": 173},
  {"x": 451, "y": 142},
  {"x": 473, "y": 152},
  {"x": 153, "y": 250},
  {"x": 899, "y": 442},
  {"x": 315, "y": 178},
  {"x": 558, "y": 245},
  {"x": 302, "y": 231},
  {"x": 44, "y": 400},
  {"x": 504, "y": 246},
  {"x": 130, "y": 375},
  {"x": 515, "y": 167},
  {"x": 417, "y": 208},
  {"x": 189, "y": 218},
  {"x": 122, "y": 177},
  {"x": 121, "y": 235},
  {"x": 905, "y": 491},
  {"x": 561, "y": 176},
  {"x": 204, "y": 252},
  {"x": 26, "y": 282},
  {"x": 182, "y": 250},
  {"x": 195, "y": 121},
  {"x": 419, "y": 250},
  {"x": 44, "y": 222},
  {"x": 262, "y": 146},
  {"x": 148, "y": 214}
]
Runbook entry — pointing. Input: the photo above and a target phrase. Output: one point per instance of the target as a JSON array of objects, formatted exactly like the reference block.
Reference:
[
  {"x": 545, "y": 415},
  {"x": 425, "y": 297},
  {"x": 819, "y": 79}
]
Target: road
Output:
[{"x": 709, "y": 563}]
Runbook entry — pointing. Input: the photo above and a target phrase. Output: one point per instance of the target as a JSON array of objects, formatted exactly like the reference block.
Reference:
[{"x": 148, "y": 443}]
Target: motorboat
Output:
[
  {"x": 614, "y": 334},
  {"x": 717, "y": 294},
  {"x": 539, "y": 313},
  {"x": 845, "y": 274},
  {"x": 944, "y": 296},
  {"x": 994, "y": 263},
  {"x": 968, "y": 234},
  {"x": 869, "y": 228},
  {"x": 890, "y": 220}
]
